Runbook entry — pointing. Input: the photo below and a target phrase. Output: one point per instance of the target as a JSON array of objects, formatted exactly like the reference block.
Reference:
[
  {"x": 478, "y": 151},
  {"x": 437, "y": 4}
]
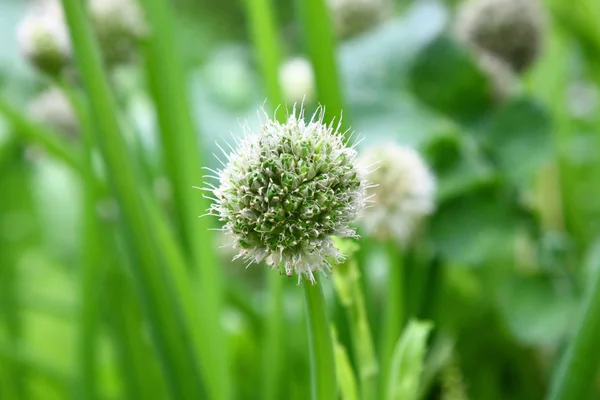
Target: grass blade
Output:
[
  {"x": 345, "y": 374},
  {"x": 39, "y": 135},
  {"x": 263, "y": 30},
  {"x": 320, "y": 46},
  {"x": 183, "y": 161},
  {"x": 169, "y": 332},
  {"x": 407, "y": 362},
  {"x": 322, "y": 361}
]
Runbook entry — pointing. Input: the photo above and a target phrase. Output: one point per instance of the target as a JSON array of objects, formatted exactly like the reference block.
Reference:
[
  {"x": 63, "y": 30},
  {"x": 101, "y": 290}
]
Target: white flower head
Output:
[
  {"x": 402, "y": 190},
  {"x": 297, "y": 80},
  {"x": 119, "y": 26},
  {"x": 43, "y": 37},
  {"x": 352, "y": 17},
  {"x": 511, "y": 30},
  {"x": 286, "y": 190},
  {"x": 53, "y": 109}
]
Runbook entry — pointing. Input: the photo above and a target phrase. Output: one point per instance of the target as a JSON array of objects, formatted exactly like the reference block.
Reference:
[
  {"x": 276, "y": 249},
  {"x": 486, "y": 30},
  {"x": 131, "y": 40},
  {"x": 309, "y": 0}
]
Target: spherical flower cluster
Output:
[
  {"x": 351, "y": 17},
  {"x": 297, "y": 80},
  {"x": 511, "y": 30},
  {"x": 119, "y": 26},
  {"x": 43, "y": 37},
  {"x": 286, "y": 190},
  {"x": 53, "y": 109},
  {"x": 403, "y": 192}
]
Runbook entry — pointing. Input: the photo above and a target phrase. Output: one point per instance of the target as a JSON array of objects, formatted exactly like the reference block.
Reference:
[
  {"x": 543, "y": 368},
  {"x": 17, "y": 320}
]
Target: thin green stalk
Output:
[
  {"x": 92, "y": 254},
  {"x": 183, "y": 161},
  {"x": 419, "y": 278},
  {"x": 273, "y": 350},
  {"x": 319, "y": 41},
  {"x": 349, "y": 291},
  {"x": 14, "y": 378},
  {"x": 579, "y": 367},
  {"x": 90, "y": 277},
  {"x": 170, "y": 333},
  {"x": 15, "y": 373},
  {"x": 345, "y": 373},
  {"x": 322, "y": 362},
  {"x": 138, "y": 370},
  {"x": 394, "y": 313},
  {"x": 39, "y": 135},
  {"x": 263, "y": 30}
]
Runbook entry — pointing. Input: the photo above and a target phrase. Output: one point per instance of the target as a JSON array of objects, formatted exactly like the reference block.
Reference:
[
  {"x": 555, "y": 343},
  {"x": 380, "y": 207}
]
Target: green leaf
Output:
[
  {"x": 39, "y": 135},
  {"x": 407, "y": 362},
  {"x": 343, "y": 368},
  {"x": 519, "y": 138},
  {"x": 459, "y": 165},
  {"x": 445, "y": 77},
  {"x": 475, "y": 227},
  {"x": 536, "y": 310}
]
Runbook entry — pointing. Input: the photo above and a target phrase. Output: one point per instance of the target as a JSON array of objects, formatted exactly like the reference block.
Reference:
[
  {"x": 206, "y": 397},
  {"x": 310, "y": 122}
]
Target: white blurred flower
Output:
[
  {"x": 351, "y": 17},
  {"x": 43, "y": 37},
  {"x": 53, "y": 109},
  {"x": 119, "y": 26},
  {"x": 402, "y": 192},
  {"x": 297, "y": 80},
  {"x": 511, "y": 30}
]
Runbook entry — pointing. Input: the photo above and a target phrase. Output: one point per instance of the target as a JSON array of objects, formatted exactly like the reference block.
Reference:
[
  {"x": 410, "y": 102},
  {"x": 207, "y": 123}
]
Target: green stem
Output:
[
  {"x": 138, "y": 370},
  {"x": 15, "y": 374},
  {"x": 273, "y": 343},
  {"x": 394, "y": 313},
  {"x": 183, "y": 160},
  {"x": 263, "y": 29},
  {"x": 363, "y": 344},
  {"x": 320, "y": 45},
  {"x": 170, "y": 332},
  {"x": 90, "y": 278},
  {"x": 579, "y": 366},
  {"x": 93, "y": 253},
  {"x": 39, "y": 135},
  {"x": 322, "y": 364},
  {"x": 350, "y": 294}
]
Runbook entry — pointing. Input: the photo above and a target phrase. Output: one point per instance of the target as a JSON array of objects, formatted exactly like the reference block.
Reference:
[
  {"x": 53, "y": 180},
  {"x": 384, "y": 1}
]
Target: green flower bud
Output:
[{"x": 286, "y": 190}]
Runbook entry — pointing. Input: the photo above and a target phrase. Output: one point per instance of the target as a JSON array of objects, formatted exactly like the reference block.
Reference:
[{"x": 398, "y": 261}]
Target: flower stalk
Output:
[
  {"x": 322, "y": 362},
  {"x": 350, "y": 294},
  {"x": 579, "y": 367},
  {"x": 394, "y": 316}
]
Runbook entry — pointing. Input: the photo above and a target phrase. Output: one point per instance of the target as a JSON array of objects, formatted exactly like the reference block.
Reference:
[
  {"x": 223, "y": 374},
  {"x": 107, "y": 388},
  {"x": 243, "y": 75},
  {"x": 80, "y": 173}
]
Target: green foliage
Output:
[
  {"x": 111, "y": 287},
  {"x": 407, "y": 362}
]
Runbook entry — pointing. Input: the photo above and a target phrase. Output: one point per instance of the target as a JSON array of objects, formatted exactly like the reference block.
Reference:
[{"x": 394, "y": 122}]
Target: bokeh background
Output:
[{"x": 500, "y": 268}]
